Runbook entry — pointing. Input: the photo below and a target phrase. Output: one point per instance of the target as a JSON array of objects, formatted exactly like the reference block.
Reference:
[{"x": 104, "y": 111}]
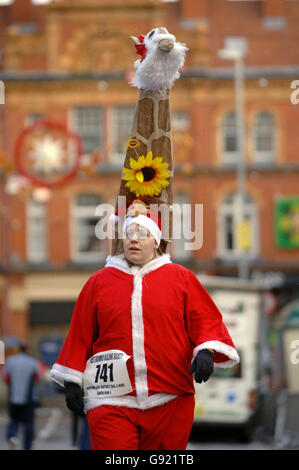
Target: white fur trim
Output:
[
  {"x": 118, "y": 262},
  {"x": 138, "y": 340},
  {"x": 146, "y": 222},
  {"x": 63, "y": 374},
  {"x": 129, "y": 401},
  {"x": 222, "y": 348},
  {"x": 138, "y": 327},
  {"x": 121, "y": 263}
]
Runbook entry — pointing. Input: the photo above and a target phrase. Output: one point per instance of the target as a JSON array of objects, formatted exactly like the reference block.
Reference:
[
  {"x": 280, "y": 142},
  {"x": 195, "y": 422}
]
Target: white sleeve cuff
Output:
[
  {"x": 222, "y": 348},
  {"x": 63, "y": 374}
]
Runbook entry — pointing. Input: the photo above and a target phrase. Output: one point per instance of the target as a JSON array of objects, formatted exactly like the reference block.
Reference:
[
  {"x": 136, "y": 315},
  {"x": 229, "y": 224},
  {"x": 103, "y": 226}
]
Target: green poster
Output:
[{"x": 287, "y": 223}]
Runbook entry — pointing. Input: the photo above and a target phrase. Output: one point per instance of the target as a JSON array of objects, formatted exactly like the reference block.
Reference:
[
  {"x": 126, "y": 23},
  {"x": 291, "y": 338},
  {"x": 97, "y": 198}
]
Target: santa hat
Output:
[
  {"x": 146, "y": 222},
  {"x": 139, "y": 213}
]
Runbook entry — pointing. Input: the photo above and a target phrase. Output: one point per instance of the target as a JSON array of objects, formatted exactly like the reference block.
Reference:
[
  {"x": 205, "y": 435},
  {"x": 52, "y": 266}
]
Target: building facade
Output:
[{"x": 71, "y": 62}]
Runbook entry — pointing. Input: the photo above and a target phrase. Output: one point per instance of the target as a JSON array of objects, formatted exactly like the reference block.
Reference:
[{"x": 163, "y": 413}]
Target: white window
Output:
[
  {"x": 178, "y": 244},
  {"x": 122, "y": 120},
  {"x": 36, "y": 231},
  {"x": 85, "y": 246},
  {"x": 264, "y": 138},
  {"x": 229, "y": 142},
  {"x": 87, "y": 122},
  {"x": 32, "y": 118},
  {"x": 237, "y": 235},
  {"x": 180, "y": 121}
]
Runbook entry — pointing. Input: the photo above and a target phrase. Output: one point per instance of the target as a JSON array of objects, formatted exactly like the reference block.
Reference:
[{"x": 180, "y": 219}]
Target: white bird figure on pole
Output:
[{"x": 161, "y": 60}]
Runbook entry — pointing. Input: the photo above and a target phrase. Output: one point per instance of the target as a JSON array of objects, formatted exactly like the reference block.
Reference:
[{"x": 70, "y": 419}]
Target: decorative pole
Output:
[{"x": 148, "y": 164}]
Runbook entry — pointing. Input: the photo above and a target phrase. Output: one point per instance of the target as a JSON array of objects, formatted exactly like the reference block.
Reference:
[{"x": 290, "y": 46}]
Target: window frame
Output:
[
  {"x": 260, "y": 157},
  {"x": 99, "y": 133},
  {"x": 78, "y": 212},
  {"x": 231, "y": 209},
  {"x": 114, "y": 156},
  {"x": 31, "y": 214},
  {"x": 228, "y": 157},
  {"x": 177, "y": 249},
  {"x": 182, "y": 123}
]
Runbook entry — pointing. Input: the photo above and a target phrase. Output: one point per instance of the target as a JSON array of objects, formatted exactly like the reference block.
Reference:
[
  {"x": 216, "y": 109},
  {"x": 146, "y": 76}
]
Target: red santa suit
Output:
[{"x": 149, "y": 322}]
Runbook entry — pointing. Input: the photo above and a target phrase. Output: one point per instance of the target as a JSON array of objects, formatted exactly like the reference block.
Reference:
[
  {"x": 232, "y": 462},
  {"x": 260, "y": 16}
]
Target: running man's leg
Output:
[
  {"x": 167, "y": 427},
  {"x": 113, "y": 428}
]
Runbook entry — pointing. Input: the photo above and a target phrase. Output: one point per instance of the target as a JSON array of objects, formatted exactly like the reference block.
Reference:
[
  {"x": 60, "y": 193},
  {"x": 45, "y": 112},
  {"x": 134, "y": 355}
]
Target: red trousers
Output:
[{"x": 165, "y": 427}]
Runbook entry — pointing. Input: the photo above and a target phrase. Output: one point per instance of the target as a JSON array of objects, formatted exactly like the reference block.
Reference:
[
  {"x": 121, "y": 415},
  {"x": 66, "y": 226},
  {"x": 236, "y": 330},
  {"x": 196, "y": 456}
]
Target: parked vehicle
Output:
[{"x": 231, "y": 396}]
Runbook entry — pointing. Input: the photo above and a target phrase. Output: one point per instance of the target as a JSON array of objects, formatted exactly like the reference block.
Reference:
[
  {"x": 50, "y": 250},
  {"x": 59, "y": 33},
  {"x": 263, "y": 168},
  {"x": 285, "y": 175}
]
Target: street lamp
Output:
[{"x": 237, "y": 55}]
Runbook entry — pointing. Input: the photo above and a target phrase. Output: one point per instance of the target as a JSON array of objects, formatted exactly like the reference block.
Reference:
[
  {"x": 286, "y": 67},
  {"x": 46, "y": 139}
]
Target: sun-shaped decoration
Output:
[{"x": 147, "y": 175}]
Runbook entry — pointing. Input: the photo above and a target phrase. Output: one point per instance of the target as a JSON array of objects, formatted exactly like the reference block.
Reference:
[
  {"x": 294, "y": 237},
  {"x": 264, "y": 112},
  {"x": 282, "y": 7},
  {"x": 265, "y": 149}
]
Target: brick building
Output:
[{"x": 70, "y": 61}]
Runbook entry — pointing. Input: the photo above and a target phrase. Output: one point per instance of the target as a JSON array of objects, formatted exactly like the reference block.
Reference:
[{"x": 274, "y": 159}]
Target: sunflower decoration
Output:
[
  {"x": 133, "y": 143},
  {"x": 147, "y": 175}
]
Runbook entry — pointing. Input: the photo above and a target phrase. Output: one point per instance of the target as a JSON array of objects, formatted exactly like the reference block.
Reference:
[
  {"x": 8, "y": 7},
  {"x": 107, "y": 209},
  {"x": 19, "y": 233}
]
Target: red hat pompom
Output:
[{"x": 140, "y": 48}]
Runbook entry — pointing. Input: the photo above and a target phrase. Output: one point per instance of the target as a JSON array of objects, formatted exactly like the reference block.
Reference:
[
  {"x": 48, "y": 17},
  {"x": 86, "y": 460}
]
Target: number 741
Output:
[{"x": 102, "y": 372}]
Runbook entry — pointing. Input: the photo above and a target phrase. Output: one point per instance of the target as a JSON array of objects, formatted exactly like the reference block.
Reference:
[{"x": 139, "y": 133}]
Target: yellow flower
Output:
[{"x": 147, "y": 175}]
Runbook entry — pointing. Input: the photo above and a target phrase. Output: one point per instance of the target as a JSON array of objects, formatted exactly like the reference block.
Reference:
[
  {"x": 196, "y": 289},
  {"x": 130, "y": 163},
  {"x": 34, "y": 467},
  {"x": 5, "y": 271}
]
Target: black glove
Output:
[
  {"x": 202, "y": 365},
  {"x": 74, "y": 398}
]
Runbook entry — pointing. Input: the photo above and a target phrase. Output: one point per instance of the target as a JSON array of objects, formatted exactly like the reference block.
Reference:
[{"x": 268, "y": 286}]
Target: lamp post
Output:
[{"x": 237, "y": 55}]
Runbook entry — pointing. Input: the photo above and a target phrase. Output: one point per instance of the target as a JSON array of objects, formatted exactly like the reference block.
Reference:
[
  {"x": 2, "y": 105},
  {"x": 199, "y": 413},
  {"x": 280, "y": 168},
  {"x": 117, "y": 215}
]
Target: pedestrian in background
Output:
[{"x": 21, "y": 373}]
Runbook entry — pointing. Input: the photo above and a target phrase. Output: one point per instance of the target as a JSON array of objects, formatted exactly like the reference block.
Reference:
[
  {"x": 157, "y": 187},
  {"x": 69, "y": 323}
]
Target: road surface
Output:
[{"x": 54, "y": 432}]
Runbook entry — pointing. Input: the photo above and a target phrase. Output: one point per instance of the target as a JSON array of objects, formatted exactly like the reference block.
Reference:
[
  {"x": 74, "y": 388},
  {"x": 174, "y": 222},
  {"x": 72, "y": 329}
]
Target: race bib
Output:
[{"x": 106, "y": 375}]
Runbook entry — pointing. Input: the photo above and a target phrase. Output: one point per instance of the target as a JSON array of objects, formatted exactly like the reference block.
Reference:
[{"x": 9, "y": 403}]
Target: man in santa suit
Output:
[{"x": 141, "y": 327}]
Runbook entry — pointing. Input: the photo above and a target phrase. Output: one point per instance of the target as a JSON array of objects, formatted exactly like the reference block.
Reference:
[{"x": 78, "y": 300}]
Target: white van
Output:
[{"x": 230, "y": 396}]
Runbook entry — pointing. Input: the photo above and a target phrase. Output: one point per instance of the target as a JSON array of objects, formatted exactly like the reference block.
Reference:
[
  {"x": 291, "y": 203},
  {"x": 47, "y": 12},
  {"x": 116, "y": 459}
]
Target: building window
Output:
[
  {"x": 229, "y": 142},
  {"x": 264, "y": 138},
  {"x": 234, "y": 237},
  {"x": 85, "y": 245},
  {"x": 32, "y": 118},
  {"x": 122, "y": 119},
  {"x": 180, "y": 121},
  {"x": 36, "y": 231},
  {"x": 87, "y": 122},
  {"x": 178, "y": 244}
]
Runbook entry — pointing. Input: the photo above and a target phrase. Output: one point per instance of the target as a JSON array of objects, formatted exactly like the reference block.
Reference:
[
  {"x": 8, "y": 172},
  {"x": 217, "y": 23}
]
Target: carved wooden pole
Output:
[
  {"x": 152, "y": 129},
  {"x": 148, "y": 164}
]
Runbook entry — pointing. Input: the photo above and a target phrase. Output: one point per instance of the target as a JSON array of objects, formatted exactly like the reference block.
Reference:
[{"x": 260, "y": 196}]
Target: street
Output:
[{"x": 54, "y": 430}]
